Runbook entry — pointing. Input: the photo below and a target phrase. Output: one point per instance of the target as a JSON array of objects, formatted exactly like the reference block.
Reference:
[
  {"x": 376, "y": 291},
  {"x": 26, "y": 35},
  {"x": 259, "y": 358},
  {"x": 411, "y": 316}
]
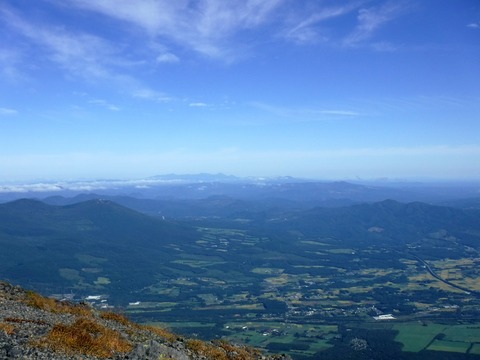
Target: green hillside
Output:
[{"x": 93, "y": 245}]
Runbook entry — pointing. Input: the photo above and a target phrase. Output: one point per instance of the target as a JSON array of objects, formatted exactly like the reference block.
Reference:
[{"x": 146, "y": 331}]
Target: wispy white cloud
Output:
[
  {"x": 371, "y": 19},
  {"x": 167, "y": 58},
  {"x": 7, "y": 111},
  {"x": 203, "y": 26},
  {"x": 80, "y": 53},
  {"x": 198, "y": 104},
  {"x": 149, "y": 94},
  {"x": 9, "y": 63},
  {"x": 309, "y": 28},
  {"x": 320, "y": 23},
  {"x": 474, "y": 25},
  {"x": 105, "y": 104},
  {"x": 208, "y": 27},
  {"x": 304, "y": 114}
]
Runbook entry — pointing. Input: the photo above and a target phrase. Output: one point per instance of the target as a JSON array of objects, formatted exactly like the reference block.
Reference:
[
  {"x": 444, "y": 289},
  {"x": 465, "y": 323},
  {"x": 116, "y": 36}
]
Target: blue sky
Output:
[{"x": 309, "y": 88}]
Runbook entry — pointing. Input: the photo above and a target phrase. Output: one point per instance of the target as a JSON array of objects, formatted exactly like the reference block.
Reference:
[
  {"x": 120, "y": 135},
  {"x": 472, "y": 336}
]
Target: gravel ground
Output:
[{"x": 24, "y": 328}]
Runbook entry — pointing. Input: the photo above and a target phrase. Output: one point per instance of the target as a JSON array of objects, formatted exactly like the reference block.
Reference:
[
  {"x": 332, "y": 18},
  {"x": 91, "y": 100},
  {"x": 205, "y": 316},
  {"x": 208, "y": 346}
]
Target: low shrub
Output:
[
  {"x": 8, "y": 328},
  {"x": 169, "y": 336},
  {"x": 88, "y": 337},
  {"x": 204, "y": 349},
  {"x": 48, "y": 304},
  {"x": 119, "y": 318}
]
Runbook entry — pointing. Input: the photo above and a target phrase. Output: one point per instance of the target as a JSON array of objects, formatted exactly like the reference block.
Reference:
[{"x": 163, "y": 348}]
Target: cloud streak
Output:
[
  {"x": 105, "y": 104},
  {"x": 309, "y": 30},
  {"x": 80, "y": 54},
  {"x": 7, "y": 111},
  {"x": 304, "y": 114},
  {"x": 198, "y": 104},
  {"x": 211, "y": 28},
  {"x": 371, "y": 19},
  {"x": 167, "y": 58},
  {"x": 203, "y": 26}
]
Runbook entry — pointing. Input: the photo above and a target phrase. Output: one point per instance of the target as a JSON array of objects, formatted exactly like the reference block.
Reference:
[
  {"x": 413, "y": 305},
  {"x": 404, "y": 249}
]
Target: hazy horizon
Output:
[{"x": 79, "y": 184}]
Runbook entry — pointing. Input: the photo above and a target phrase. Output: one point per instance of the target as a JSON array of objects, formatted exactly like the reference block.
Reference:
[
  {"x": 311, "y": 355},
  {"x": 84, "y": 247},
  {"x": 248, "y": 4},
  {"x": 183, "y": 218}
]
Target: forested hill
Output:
[
  {"x": 97, "y": 242},
  {"x": 383, "y": 221}
]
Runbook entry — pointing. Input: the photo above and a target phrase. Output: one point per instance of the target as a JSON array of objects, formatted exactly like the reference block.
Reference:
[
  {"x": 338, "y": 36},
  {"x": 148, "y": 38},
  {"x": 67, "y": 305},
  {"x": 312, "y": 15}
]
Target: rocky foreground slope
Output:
[{"x": 35, "y": 327}]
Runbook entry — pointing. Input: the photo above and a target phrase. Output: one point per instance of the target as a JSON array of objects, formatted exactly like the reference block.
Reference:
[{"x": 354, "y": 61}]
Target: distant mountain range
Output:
[{"x": 202, "y": 186}]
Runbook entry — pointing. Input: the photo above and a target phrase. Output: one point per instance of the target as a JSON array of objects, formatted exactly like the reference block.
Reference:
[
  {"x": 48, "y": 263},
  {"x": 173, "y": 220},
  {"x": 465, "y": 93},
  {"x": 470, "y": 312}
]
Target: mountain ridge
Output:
[
  {"x": 114, "y": 240},
  {"x": 197, "y": 186}
]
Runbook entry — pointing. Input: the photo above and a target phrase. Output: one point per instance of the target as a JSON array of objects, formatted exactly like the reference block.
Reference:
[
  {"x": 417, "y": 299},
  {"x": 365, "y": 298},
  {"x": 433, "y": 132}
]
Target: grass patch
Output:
[
  {"x": 307, "y": 242},
  {"x": 40, "y": 302},
  {"x": 475, "y": 349},
  {"x": 162, "y": 332},
  {"x": 119, "y": 318},
  {"x": 184, "y": 282},
  {"x": 267, "y": 271},
  {"x": 450, "y": 346},
  {"x": 8, "y": 328},
  {"x": 70, "y": 274},
  {"x": 319, "y": 345},
  {"x": 279, "y": 280},
  {"x": 148, "y": 306},
  {"x": 192, "y": 324},
  {"x": 102, "y": 281},
  {"x": 463, "y": 333},
  {"x": 340, "y": 251},
  {"x": 416, "y": 337},
  {"x": 231, "y": 307},
  {"x": 312, "y": 337},
  {"x": 377, "y": 272},
  {"x": 86, "y": 336},
  {"x": 198, "y": 263},
  {"x": 221, "y": 350}
]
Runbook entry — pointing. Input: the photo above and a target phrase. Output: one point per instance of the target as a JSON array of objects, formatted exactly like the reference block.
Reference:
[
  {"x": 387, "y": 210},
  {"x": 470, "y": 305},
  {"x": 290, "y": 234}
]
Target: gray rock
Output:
[{"x": 32, "y": 325}]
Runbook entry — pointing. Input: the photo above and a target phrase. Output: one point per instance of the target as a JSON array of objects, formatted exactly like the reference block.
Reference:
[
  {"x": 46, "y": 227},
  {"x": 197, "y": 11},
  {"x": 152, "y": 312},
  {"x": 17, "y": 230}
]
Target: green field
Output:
[
  {"x": 415, "y": 337},
  {"x": 475, "y": 350},
  {"x": 438, "y": 337},
  {"x": 306, "y": 338},
  {"x": 463, "y": 333},
  {"x": 450, "y": 346}
]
